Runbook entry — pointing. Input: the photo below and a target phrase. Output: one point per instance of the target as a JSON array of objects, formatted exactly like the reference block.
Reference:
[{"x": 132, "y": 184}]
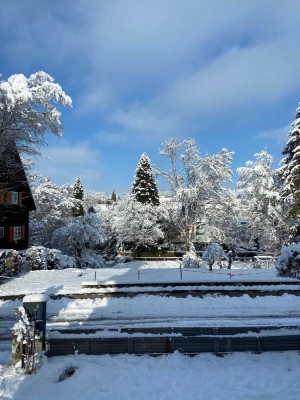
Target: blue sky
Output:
[{"x": 224, "y": 72}]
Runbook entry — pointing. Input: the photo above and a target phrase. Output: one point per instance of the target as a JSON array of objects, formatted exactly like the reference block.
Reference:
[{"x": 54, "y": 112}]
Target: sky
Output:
[{"x": 223, "y": 72}]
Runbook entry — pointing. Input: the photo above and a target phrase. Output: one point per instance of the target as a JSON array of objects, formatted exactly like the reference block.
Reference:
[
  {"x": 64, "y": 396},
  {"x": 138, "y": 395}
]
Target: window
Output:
[
  {"x": 9, "y": 162},
  {"x": 1, "y": 232},
  {"x": 17, "y": 232},
  {"x": 14, "y": 198}
]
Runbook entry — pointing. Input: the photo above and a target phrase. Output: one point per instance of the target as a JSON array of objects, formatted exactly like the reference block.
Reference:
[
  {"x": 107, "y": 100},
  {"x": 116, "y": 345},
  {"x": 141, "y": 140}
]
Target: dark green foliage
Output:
[
  {"x": 113, "y": 196},
  {"x": 145, "y": 187},
  {"x": 78, "y": 194},
  {"x": 290, "y": 170}
]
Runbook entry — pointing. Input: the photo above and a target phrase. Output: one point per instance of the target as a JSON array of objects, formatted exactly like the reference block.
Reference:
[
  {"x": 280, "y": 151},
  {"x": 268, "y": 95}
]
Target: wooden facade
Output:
[{"x": 16, "y": 200}]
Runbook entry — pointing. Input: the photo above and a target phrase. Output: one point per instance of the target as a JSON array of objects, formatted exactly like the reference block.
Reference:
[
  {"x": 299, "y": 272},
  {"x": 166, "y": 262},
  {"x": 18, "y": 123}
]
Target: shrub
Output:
[
  {"x": 39, "y": 257},
  {"x": 288, "y": 261},
  {"x": 190, "y": 259},
  {"x": 123, "y": 258},
  {"x": 212, "y": 254}
]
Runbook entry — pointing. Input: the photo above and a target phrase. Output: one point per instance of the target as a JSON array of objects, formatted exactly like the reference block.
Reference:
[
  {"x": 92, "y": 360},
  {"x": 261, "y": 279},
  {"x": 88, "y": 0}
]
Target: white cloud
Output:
[
  {"x": 112, "y": 138},
  {"x": 177, "y": 62},
  {"x": 240, "y": 77},
  {"x": 279, "y": 135},
  {"x": 141, "y": 119},
  {"x": 66, "y": 162}
]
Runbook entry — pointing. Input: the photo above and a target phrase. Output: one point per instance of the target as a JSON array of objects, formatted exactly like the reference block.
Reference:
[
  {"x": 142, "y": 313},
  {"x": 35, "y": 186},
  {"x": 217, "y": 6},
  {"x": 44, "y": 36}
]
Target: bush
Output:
[
  {"x": 120, "y": 259},
  {"x": 90, "y": 259},
  {"x": 190, "y": 259},
  {"x": 39, "y": 257},
  {"x": 212, "y": 254},
  {"x": 288, "y": 261}
]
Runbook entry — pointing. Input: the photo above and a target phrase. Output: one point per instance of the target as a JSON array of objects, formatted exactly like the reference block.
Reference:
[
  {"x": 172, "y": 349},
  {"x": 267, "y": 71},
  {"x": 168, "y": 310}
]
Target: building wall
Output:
[{"x": 14, "y": 222}]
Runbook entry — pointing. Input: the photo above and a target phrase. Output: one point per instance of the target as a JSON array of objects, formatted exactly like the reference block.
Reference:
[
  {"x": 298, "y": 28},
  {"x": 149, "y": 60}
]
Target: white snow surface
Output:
[
  {"x": 36, "y": 298},
  {"x": 70, "y": 280},
  {"x": 267, "y": 376},
  {"x": 150, "y": 310}
]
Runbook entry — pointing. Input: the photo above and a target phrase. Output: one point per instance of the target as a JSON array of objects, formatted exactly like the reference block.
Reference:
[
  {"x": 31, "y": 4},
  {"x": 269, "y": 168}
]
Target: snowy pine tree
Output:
[
  {"x": 145, "y": 187},
  {"x": 290, "y": 170},
  {"x": 113, "y": 196},
  {"x": 78, "y": 195}
]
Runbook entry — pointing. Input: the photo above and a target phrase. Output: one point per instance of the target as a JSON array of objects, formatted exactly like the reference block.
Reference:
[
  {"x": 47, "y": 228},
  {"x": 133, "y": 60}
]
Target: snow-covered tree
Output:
[
  {"x": 28, "y": 110},
  {"x": 171, "y": 150},
  {"x": 144, "y": 188},
  {"x": 78, "y": 193},
  {"x": 200, "y": 197},
  {"x": 135, "y": 224},
  {"x": 113, "y": 196},
  {"x": 212, "y": 254},
  {"x": 53, "y": 204},
  {"x": 83, "y": 239},
  {"x": 259, "y": 192},
  {"x": 290, "y": 169}
]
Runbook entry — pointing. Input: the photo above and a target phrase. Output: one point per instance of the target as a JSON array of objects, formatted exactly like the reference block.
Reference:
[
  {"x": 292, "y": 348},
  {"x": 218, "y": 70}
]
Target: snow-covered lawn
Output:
[
  {"x": 150, "y": 309},
  {"x": 70, "y": 280},
  {"x": 268, "y": 376}
]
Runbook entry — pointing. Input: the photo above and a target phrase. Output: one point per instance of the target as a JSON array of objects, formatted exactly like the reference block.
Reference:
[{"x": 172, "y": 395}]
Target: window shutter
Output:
[
  {"x": 20, "y": 199},
  {"x": 11, "y": 234},
  {"x": 9, "y": 196},
  {"x": 23, "y": 232}
]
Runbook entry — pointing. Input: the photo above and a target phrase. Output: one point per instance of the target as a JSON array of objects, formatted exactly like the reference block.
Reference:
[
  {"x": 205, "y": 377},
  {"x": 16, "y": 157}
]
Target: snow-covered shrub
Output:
[
  {"x": 54, "y": 204},
  {"x": 288, "y": 261},
  {"x": 26, "y": 333},
  {"x": 91, "y": 259},
  {"x": 39, "y": 257},
  {"x": 83, "y": 239},
  {"x": 190, "y": 258},
  {"x": 121, "y": 259},
  {"x": 212, "y": 254}
]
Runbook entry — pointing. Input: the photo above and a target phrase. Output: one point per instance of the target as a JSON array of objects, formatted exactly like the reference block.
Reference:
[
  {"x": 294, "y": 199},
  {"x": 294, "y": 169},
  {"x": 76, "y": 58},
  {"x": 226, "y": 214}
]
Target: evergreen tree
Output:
[
  {"x": 78, "y": 195},
  {"x": 145, "y": 187},
  {"x": 290, "y": 170},
  {"x": 113, "y": 196}
]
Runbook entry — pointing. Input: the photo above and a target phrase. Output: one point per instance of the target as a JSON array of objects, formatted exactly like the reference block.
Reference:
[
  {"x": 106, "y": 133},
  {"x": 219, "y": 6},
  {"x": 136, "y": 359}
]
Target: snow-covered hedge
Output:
[
  {"x": 39, "y": 257},
  {"x": 288, "y": 261},
  {"x": 190, "y": 258}
]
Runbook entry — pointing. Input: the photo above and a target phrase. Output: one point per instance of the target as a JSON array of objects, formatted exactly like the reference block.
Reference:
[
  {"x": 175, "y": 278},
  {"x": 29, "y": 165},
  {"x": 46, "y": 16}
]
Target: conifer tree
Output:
[
  {"x": 290, "y": 170},
  {"x": 78, "y": 195},
  {"x": 145, "y": 187},
  {"x": 113, "y": 196}
]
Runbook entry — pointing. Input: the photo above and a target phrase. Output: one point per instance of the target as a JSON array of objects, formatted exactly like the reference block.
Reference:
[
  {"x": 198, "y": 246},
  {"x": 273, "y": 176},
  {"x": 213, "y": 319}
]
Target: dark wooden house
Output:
[{"x": 16, "y": 200}]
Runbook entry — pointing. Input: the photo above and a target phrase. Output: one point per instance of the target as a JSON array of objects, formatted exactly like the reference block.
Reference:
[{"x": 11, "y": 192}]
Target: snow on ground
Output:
[
  {"x": 190, "y": 311},
  {"x": 143, "y": 307},
  {"x": 70, "y": 280},
  {"x": 267, "y": 376},
  {"x": 149, "y": 310}
]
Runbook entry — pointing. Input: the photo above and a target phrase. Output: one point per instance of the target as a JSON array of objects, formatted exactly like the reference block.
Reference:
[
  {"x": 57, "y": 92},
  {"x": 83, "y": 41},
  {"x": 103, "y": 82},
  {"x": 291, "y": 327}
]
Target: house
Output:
[{"x": 16, "y": 200}]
